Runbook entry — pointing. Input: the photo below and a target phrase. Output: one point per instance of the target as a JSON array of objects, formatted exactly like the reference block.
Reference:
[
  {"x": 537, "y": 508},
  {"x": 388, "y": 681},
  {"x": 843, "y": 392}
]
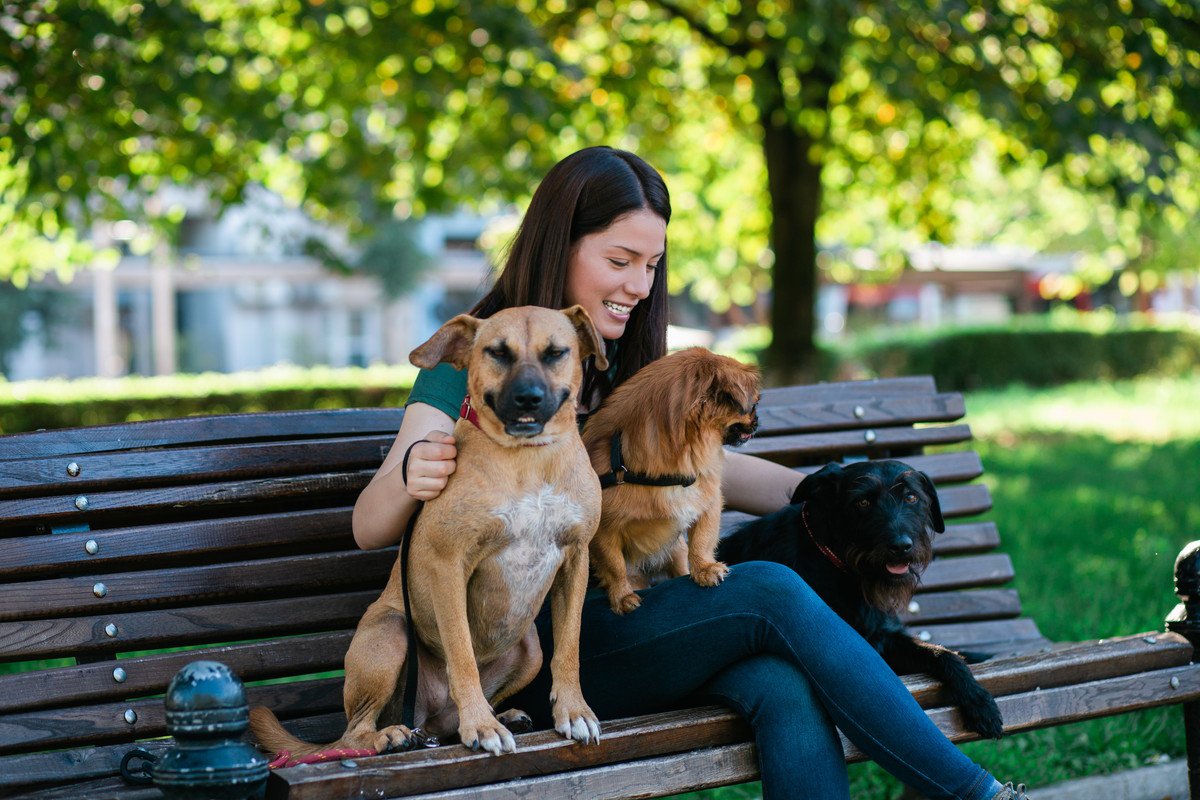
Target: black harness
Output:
[{"x": 621, "y": 474}]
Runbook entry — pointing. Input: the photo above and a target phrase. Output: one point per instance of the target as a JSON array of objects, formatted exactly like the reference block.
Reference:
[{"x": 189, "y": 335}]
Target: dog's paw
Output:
[
  {"x": 982, "y": 715},
  {"x": 394, "y": 739},
  {"x": 626, "y": 603},
  {"x": 710, "y": 574},
  {"x": 486, "y": 734},
  {"x": 575, "y": 720},
  {"x": 515, "y": 720}
]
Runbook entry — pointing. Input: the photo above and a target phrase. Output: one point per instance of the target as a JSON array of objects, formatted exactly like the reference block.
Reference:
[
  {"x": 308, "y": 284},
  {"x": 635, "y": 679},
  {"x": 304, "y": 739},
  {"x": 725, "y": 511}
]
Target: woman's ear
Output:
[
  {"x": 589, "y": 340},
  {"x": 451, "y": 342}
]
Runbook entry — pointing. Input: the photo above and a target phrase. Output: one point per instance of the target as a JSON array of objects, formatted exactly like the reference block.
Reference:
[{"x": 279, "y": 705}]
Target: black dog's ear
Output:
[
  {"x": 935, "y": 507},
  {"x": 824, "y": 480}
]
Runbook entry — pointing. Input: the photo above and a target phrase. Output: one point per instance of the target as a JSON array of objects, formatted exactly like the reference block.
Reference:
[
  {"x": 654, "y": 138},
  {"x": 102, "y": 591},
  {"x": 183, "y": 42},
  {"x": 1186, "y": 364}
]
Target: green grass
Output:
[{"x": 1094, "y": 494}]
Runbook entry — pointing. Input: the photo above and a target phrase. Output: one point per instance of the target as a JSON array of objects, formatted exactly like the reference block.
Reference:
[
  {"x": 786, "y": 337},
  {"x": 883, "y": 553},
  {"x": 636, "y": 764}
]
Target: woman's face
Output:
[{"x": 612, "y": 270}]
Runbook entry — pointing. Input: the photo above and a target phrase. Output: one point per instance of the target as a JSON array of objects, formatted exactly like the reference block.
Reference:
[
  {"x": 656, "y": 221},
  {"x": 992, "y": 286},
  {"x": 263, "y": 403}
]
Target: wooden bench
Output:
[{"x": 230, "y": 534}]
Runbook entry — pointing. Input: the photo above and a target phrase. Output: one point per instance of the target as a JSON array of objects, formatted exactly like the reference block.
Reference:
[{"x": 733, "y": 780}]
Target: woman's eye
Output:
[
  {"x": 652, "y": 267},
  {"x": 618, "y": 262}
]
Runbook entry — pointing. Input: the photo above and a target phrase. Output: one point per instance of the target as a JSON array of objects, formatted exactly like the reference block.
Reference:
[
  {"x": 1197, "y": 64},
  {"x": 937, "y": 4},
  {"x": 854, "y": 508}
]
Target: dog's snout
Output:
[
  {"x": 902, "y": 547},
  {"x": 529, "y": 395}
]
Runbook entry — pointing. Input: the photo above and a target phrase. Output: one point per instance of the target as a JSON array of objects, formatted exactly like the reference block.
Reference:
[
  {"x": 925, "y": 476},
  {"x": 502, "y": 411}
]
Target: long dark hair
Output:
[{"x": 582, "y": 194}]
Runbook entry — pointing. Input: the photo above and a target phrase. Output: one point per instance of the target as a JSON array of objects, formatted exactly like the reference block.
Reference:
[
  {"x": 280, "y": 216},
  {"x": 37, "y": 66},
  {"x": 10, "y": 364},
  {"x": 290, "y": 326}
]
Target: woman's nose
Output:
[{"x": 639, "y": 285}]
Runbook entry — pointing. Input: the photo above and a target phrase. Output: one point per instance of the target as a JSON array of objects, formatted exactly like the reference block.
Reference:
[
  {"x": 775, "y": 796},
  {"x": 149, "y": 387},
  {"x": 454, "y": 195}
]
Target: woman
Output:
[{"x": 763, "y": 643}]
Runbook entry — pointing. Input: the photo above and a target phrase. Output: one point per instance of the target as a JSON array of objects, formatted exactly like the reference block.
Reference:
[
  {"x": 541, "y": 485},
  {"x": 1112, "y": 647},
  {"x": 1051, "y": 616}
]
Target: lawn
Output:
[{"x": 1094, "y": 493}]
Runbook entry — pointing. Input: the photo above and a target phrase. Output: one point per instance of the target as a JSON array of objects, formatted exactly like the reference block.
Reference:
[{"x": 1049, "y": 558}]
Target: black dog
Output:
[{"x": 860, "y": 536}]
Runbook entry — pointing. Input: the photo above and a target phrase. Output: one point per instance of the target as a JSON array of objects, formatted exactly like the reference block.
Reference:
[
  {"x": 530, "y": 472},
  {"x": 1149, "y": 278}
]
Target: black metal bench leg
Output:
[
  {"x": 1191, "y": 725},
  {"x": 1185, "y": 620}
]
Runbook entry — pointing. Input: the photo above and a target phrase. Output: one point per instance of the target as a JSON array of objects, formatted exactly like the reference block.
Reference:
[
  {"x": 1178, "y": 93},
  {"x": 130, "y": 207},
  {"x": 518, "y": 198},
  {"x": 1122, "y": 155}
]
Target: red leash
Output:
[{"x": 284, "y": 757}]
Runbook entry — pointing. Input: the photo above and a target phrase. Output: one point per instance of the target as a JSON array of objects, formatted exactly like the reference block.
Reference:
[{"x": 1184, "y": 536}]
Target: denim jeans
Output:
[{"x": 766, "y": 645}]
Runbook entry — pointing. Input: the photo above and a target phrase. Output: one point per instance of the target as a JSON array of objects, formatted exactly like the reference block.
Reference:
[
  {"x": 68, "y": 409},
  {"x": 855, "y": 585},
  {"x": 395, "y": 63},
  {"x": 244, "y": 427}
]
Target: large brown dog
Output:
[
  {"x": 670, "y": 419},
  {"x": 512, "y": 525}
]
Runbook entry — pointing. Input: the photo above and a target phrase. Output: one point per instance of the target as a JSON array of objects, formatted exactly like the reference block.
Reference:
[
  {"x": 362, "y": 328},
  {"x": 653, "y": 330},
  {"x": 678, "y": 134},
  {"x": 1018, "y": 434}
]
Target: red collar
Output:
[
  {"x": 467, "y": 411},
  {"x": 825, "y": 551}
]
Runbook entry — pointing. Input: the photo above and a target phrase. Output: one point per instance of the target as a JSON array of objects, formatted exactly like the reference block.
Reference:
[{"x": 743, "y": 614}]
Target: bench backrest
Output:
[{"x": 232, "y": 535}]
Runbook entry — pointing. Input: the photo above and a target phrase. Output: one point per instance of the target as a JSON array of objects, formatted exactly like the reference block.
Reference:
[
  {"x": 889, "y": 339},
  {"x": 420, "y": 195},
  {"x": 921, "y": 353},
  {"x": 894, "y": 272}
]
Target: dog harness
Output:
[
  {"x": 825, "y": 551},
  {"x": 621, "y": 474}
]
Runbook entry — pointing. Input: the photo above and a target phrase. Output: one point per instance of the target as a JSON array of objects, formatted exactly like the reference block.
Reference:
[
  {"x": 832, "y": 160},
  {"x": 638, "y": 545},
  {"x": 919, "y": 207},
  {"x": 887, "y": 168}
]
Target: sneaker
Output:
[{"x": 1007, "y": 792}]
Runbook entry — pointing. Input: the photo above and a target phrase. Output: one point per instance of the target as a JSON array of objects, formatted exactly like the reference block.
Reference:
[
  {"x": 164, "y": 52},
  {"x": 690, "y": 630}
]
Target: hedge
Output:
[
  {"x": 1034, "y": 351},
  {"x": 30, "y": 405}
]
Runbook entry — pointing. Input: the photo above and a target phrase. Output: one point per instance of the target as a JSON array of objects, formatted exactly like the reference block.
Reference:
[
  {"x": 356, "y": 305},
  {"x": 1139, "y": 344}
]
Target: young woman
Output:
[{"x": 763, "y": 643}]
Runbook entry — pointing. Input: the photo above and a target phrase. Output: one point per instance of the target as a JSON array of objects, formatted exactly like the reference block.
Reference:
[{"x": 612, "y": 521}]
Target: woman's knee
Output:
[{"x": 769, "y": 583}]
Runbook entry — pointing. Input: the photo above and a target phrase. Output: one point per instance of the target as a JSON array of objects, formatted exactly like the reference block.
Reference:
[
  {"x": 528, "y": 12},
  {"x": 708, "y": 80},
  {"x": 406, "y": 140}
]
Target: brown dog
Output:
[
  {"x": 512, "y": 525},
  {"x": 669, "y": 422}
]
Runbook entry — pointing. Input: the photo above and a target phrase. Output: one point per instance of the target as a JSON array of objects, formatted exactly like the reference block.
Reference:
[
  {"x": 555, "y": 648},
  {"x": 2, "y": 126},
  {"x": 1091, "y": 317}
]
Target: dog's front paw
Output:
[
  {"x": 397, "y": 739},
  {"x": 623, "y": 604},
  {"x": 575, "y": 720},
  {"x": 486, "y": 733},
  {"x": 981, "y": 714},
  {"x": 515, "y": 720},
  {"x": 709, "y": 574}
]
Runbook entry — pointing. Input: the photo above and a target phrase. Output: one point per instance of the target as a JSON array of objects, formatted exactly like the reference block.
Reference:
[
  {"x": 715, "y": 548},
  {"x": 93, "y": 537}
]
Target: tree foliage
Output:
[{"x": 856, "y": 123}]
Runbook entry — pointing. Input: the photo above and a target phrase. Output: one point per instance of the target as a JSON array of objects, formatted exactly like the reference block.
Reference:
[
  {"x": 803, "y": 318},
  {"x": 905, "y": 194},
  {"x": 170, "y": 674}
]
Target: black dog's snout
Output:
[
  {"x": 528, "y": 396},
  {"x": 902, "y": 547}
]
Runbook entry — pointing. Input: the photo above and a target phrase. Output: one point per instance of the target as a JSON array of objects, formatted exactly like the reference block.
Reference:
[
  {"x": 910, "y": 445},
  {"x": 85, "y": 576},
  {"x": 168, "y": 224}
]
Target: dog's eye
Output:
[
  {"x": 552, "y": 354},
  {"x": 501, "y": 353},
  {"x": 864, "y": 503},
  {"x": 910, "y": 498}
]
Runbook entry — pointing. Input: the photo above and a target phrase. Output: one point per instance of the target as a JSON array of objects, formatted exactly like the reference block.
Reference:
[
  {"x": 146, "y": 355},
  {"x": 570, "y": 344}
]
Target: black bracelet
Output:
[{"x": 404, "y": 463}]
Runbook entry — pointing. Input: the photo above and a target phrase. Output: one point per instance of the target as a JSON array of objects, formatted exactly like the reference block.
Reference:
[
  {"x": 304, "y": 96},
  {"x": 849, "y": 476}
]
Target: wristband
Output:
[{"x": 404, "y": 463}]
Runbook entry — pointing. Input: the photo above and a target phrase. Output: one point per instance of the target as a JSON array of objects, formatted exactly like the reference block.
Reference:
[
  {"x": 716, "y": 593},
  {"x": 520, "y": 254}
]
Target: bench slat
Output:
[
  {"x": 840, "y": 390},
  {"x": 967, "y": 571},
  {"x": 794, "y": 450},
  {"x": 130, "y": 469},
  {"x": 858, "y": 413},
  {"x": 962, "y": 606},
  {"x": 301, "y": 575},
  {"x": 261, "y": 426},
  {"x": 171, "y": 543},
  {"x": 105, "y": 722},
  {"x": 91, "y": 683},
  {"x": 81, "y": 636},
  {"x": 178, "y": 500},
  {"x": 988, "y": 636}
]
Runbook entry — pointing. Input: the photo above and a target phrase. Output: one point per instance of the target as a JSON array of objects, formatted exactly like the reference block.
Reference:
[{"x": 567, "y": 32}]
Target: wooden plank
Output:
[
  {"x": 842, "y": 390},
  {"x": 144, "y": 675},
  {"x": 261, "y": 426},
  {"x": 104, "y": 789},
  {"x": 82, "y": 636},
  {"x": 986, "y": 635},
  {"x": 105, "y": 723},
  {"x": 82, "y": 764},
  {"x": 542, "y": 751},
  {"x": 962, "y": 606},
  {"x": 796, "y": 449},
  {"x": 174, "y": 543},
  {"x": 967, "y": 571},
  {"x": 179, "y": 500},
  {"x": 299, "y": 575},
  {"x": 855, "y": 413},
  {"x": 130, "y": 469}
]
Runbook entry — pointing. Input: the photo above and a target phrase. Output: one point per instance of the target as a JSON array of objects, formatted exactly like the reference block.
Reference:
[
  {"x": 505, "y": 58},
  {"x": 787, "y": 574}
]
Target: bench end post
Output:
[{"x": 1184, "y": 619}]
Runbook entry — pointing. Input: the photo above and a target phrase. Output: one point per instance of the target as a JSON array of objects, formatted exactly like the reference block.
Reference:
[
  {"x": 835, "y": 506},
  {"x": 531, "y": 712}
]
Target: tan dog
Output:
[
  {"x": 512, "y": 525},
  {"x": 671, "y": 419}
]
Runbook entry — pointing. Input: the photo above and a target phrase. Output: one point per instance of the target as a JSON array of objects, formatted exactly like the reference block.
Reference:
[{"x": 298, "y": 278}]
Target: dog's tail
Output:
[{"x": 273, "y": 738}]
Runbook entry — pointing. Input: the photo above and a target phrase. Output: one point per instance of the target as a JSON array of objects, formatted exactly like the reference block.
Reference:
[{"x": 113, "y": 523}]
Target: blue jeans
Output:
[{"x": 766, "y": 645}]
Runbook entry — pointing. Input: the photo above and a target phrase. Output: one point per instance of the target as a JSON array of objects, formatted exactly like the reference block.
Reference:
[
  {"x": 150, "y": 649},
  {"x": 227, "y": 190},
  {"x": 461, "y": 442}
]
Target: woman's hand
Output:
[{"x": 430, "y": 464}]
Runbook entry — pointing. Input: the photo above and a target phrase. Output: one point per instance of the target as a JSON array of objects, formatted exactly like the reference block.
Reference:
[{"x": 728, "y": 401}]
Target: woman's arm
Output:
[
  {"x": 383, "y": 509},
  {"x": 755, "y": 485}
]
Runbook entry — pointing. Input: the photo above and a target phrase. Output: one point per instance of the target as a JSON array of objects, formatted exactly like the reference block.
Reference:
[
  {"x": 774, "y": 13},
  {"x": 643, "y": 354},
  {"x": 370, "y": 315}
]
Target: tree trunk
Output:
[{"x": 794, "y": 183}]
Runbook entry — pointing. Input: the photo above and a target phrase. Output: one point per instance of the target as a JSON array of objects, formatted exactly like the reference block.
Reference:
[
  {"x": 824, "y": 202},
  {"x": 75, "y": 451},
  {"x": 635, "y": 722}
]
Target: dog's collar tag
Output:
[{"x": 467, "y": 412}]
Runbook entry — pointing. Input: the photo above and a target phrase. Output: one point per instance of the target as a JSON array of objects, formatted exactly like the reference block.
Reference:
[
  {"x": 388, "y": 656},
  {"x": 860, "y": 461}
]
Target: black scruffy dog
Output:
[{"x": 861, "y": 535}]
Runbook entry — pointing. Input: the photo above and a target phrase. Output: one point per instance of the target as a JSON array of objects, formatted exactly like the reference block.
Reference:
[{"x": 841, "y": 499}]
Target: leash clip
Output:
[{"x": 619, "y": 476}]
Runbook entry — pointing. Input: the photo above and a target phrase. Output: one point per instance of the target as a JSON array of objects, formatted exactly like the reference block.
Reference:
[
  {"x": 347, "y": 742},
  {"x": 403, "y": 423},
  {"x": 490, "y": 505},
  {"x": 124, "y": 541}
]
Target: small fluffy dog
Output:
[
  {"x": 511, "y": 527},
  {"x": 861, "y": 535},
  {"x": 656, "y": 443}
]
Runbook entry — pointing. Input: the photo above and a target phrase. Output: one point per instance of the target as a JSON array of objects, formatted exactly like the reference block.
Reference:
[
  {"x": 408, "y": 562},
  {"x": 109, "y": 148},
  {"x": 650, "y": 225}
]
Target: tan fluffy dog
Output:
[
  {"x": 673, "y": 417},
  {"x": 512, "y": 525}
]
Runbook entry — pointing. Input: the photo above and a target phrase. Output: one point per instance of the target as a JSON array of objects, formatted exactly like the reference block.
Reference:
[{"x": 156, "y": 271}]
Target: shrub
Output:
[
  {"x": 1035, "y": 351},
  {"x": 30, "y": 405}
]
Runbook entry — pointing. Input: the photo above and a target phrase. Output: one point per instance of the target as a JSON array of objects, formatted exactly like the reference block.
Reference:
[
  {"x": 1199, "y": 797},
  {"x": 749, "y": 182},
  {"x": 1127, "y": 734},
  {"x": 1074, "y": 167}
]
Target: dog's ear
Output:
[
  {"x": 935, "y": 507},
  {"x": 451, "y": 342},
  {"x": 589, "y": 339},
  {"x": 819, "y": 484}
]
